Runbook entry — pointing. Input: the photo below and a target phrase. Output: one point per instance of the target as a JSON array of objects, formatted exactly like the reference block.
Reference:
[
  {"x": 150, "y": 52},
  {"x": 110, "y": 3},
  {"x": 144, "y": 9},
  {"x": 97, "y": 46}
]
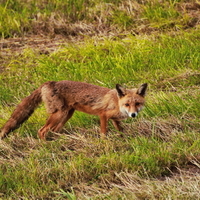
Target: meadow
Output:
[{"x": 103, "y": 43}]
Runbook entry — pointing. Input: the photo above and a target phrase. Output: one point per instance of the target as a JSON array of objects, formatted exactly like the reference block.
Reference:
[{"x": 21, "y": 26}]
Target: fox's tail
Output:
[{"x": 22, "y": 112}]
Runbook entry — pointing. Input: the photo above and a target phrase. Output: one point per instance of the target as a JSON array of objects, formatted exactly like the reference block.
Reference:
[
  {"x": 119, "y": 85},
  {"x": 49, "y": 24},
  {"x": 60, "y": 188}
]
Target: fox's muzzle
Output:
[{"x": 133, "y": 114}]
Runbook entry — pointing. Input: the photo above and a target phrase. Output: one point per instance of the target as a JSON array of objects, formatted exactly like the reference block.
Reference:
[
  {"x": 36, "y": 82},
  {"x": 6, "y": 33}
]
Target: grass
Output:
[
  {"x": 83, "y": 17},
  {"x": 158, "y": 155}
]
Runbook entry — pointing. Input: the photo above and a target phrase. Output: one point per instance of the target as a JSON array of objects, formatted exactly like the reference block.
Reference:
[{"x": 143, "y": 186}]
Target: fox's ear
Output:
[
  {"x": 120, "y": 90},
  {"x": 142, "y": 89}
]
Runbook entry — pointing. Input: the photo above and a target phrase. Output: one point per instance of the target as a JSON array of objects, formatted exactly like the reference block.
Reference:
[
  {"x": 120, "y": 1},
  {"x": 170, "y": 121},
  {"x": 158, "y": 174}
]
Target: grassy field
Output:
[{"x": 103, "y": 43}]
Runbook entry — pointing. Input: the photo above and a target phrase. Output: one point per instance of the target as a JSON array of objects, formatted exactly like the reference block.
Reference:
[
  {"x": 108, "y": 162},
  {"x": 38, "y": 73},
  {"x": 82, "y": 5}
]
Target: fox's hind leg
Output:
[
  {"x": 55, "y": 122},
  {"x": 63, "y": 121}
]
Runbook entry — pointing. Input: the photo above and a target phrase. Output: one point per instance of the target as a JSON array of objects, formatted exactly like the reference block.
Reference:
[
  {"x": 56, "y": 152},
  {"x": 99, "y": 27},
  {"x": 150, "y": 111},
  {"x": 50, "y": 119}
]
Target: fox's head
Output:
[{"x": 131, "y": 101}]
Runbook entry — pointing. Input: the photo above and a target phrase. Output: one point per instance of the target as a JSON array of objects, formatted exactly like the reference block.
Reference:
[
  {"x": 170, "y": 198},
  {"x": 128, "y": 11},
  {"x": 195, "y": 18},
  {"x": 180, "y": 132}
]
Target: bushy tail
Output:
[{"x": 22, "y": 112}]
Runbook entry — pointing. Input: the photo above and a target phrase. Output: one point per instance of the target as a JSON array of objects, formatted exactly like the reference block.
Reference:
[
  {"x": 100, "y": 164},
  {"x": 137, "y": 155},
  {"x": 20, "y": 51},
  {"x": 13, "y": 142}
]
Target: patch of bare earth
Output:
[
  {"x": 192, "y": 9},
  {"x": 42, "y": 43}
]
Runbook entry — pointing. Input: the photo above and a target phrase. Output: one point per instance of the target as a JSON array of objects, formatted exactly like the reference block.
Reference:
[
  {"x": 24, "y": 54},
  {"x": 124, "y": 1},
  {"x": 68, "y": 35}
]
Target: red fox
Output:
[{"x": 62, "y": 98}]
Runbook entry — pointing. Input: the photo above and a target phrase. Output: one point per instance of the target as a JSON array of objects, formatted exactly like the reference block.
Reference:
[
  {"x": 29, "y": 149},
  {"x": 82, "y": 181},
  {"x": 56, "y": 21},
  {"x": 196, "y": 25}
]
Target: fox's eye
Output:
[
  {"x": 137, "y": 104},
  {"x": 127, "y": 104}
]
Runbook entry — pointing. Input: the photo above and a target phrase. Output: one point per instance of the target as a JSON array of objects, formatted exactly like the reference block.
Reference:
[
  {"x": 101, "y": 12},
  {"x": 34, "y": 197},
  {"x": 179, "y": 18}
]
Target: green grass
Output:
[
  {"x": 83, "y": 17},
  {"x": 157, "y": 157},
  {"x": 164, "y": 137}
]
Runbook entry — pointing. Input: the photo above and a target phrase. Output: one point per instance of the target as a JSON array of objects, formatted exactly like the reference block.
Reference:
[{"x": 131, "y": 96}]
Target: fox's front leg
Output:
[
  {"x": 117, "y": 125},
  {"x": 103, "y": 125}
]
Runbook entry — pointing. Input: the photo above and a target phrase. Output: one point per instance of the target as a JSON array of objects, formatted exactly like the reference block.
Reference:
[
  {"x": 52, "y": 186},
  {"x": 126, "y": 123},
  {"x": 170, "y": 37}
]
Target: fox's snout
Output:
[
  {"x": 134, "y": 114},
  {"x": 130, "y": 112}
]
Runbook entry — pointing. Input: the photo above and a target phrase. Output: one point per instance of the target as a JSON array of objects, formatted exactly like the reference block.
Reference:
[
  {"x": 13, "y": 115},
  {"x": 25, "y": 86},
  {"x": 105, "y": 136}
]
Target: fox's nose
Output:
[{"x": 133, "y": 115}]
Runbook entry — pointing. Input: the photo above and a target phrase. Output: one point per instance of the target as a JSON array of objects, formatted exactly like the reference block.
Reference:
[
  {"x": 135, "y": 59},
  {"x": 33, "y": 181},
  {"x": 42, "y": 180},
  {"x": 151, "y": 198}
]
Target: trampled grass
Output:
[{"x": 157, "y": 156}]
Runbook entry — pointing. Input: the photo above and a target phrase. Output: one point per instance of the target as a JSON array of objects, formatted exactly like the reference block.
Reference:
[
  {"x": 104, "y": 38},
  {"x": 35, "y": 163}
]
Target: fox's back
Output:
[
  {"x": 57, "y": 95},
  {"x": 80, "y": 90}
]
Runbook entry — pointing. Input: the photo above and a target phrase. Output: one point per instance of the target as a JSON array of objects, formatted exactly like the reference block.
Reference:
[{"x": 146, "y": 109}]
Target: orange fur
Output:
[{"x": 62, "y": 98}]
